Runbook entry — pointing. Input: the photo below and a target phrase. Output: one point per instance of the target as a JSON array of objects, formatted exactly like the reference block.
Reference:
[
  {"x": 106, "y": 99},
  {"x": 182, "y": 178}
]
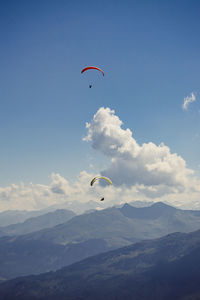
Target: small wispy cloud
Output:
[{"x": 188, "y": 100}]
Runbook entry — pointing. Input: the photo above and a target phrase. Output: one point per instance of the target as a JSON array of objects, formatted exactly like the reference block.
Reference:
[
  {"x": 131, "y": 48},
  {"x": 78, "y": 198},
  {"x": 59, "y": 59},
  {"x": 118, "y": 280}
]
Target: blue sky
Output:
[{"x": 149, "y": 51}]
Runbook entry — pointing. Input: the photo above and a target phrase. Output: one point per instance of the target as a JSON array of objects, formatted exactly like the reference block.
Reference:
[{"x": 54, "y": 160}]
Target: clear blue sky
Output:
[{"x": 150, "y": 53}]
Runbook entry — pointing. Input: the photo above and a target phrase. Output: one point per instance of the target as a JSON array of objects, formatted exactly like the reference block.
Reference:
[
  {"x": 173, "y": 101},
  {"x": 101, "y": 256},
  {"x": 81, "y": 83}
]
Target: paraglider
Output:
[
  {"x": 100, "y": 177},
  {"x": 91, "y": 68}
]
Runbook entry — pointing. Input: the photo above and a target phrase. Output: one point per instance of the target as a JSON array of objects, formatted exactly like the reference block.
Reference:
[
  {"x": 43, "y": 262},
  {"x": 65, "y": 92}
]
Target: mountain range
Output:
[
  {"x": 9, "y": 217},
  {"x": 32, "y": 224},
  {"x": 159, "y": 269},
  {"x": 89, "y": 234}
]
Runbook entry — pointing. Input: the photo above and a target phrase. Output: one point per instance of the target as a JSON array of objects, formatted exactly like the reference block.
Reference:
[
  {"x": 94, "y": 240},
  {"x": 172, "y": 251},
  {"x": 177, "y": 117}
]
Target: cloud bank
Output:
[
  {"x": 39, "y": 196},
  {"x": 188, "y": 100},
  {"x": 138, "y": 172},
  {"x": 154, "y": 170}
]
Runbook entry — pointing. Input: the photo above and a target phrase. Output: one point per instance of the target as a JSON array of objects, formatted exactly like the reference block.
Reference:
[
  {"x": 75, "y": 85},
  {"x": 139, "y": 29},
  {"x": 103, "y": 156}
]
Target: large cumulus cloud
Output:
[
  {"x": 153, "y": 168},
  {"x": 139, "y": 172}
]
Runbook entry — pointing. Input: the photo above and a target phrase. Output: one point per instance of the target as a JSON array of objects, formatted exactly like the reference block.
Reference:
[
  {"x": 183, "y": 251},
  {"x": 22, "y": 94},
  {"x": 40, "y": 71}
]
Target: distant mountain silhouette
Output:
[
  {"x": 47, "y": 220},
  {"x": 97, "y": 232},
  {"x": 161, "y": 269},
  {"x": 9, "y": 217},
  {"x": 152, "y": 212}
]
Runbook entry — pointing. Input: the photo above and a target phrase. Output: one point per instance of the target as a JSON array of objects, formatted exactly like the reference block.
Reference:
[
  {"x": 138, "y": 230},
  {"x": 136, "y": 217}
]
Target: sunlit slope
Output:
[{"x": 109, "y": 224}]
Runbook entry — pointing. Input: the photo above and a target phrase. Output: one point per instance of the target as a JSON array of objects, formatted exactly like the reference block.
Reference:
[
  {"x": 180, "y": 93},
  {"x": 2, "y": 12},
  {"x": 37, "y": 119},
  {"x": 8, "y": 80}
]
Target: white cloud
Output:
[
  {"x": 58, "y": 192},
  {"x": 139, "y": 172},
  {"x": 154, "y": 170},
  {"x": 188, "y": 100},
  {"x": 24, "y": 197},
  {"x": 78, "y": 195},
  {"x": 59, "y": 185}
]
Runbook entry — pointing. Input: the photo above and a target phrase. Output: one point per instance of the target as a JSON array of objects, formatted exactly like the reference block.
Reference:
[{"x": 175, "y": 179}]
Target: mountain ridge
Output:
[
  {"x": 36, "y": 223},
  {"x": 95, "y": 232},
  {"x": 153, "y": 269}
]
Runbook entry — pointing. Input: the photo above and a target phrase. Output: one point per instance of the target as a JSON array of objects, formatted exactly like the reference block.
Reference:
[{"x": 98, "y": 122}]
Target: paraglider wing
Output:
[
  {"x": 92, "y": 68},
  {"x": 107, "y": 179},
  {"x": 100, "y": 177},
  {"x": 93, "y": 181}
]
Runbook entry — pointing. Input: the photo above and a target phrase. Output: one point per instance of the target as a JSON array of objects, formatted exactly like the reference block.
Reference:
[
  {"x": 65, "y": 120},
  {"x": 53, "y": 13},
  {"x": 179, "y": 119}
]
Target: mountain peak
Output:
[
  {"x": 150, "y": 212},
  {"x": 127, "y": 205},
  {"x": 163, "y": 205}
]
